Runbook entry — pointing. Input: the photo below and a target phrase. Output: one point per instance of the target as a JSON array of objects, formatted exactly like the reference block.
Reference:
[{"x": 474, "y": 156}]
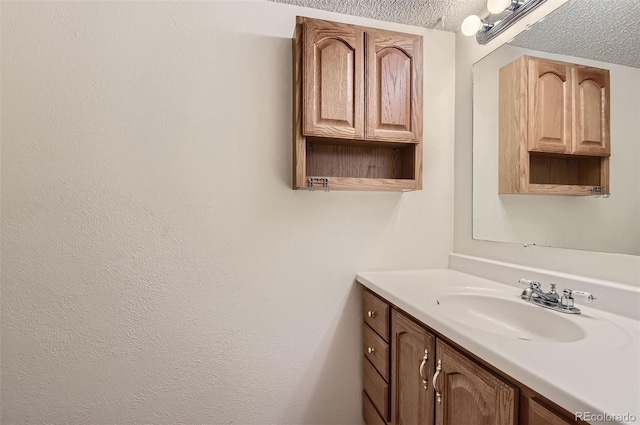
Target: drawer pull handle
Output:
[
  {"x": 425, "y": 383},
  {"x": 435, "y": 380},
  {"x": 371, "y": 350},
  {"x": 371, "y": 314}
]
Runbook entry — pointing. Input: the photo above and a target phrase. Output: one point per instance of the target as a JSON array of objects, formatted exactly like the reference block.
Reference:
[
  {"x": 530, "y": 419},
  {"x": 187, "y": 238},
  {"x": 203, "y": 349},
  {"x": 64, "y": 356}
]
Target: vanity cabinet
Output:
[
  {"x": 554, "y": 128},
  {"x": 357, "y": 107},
  {"x": 426, "y": 380}
]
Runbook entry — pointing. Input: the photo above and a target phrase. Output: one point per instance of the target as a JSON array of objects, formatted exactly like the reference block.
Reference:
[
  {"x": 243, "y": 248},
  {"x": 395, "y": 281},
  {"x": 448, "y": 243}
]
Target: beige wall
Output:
[
  {"x": 156, "y": 265},
  {"x": 616, "y": 267}
]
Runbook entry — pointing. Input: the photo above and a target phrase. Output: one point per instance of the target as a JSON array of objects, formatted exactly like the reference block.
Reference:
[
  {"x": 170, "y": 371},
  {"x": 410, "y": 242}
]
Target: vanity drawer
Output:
[
  {"x": 369, "y": 413},
  {"x": 376, "y": 351},
  {"x": 376, "y": 388},
  {"x": 375, "y": 313}
]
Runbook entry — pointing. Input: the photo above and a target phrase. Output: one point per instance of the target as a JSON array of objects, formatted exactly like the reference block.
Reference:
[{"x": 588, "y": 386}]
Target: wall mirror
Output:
[{"x": 595, "y": 33}]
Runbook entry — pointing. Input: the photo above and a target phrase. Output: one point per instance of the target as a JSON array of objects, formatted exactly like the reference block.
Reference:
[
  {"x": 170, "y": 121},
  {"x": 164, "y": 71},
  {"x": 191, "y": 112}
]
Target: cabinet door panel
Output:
[
  {"x": 471, "y": 395},
  {"x": 549, "y": 106},
  {"x": 394, "y": 86},
  {"x": 591, "y": 111},
  {"x": 411, "y": 404},
  {"x": 333, "y": 80},
  {"x": 539, "y": 414}
]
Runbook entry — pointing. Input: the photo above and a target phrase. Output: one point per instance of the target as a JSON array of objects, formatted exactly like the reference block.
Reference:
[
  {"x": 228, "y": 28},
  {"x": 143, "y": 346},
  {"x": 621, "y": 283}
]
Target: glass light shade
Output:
[
  {"x": 497, "y": 6},
  {"x": 471, "y": 25}
]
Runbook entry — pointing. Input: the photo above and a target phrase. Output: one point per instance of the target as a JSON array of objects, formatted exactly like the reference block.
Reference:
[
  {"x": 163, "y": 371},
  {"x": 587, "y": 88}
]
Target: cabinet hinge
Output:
[
  {"x": 318, "y": 180},
  {"x": 599, "y": 192}
]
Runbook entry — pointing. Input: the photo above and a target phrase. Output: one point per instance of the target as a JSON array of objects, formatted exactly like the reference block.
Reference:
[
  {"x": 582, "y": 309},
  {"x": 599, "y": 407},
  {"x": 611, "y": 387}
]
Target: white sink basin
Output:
[{"x": 508, "y": 316}]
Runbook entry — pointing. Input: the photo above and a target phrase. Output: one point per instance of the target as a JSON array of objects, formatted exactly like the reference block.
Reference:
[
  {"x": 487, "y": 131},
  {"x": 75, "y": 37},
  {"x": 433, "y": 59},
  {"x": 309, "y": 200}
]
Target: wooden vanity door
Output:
[
  {"x": 591, "y": 111},
  {"x": 411, "y": 404},
  {"x": 538, "y": 414},
  {"x": 549, "y": 106},
  {"x": 333, "y": 80},
  {"x": 471, "y": 395},
  {"x": 394, "y": 86}
]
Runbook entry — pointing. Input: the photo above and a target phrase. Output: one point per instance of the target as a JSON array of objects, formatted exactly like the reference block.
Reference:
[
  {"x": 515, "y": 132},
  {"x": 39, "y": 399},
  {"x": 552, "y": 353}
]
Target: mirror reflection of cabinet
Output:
[
  {"x": 589, "y": 223},
  {"x": 554, "y": 128},
  {"x": 549, "y": 103},
  {"x": 591, "y": 111}
]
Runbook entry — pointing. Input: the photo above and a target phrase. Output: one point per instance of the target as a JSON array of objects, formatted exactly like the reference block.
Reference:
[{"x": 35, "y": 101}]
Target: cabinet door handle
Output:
[
  {"x": 425, "y": 383},
  {"x": 371, "y": 313},
  {"x": 435, "y": 380},
  {"x": 371, "y": 350}
]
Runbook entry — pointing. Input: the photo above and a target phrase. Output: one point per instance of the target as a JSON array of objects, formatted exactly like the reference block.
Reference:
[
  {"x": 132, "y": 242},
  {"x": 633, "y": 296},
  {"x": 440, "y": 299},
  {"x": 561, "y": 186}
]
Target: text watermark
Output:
[{"x": 604, "y": 417}]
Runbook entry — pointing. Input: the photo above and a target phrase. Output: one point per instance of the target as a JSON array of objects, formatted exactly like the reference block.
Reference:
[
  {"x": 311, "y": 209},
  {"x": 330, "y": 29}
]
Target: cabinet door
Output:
[
  {"x": 470, "y": 394},
  {"x": 411, "y": 403},
  {"x": 333, "y": 80},
  {"x": 539, "y": 414},
  {"x": 591, "y": 111},
  {"x": 549, "y": 106},
  {"x": 394, "y": 86}
]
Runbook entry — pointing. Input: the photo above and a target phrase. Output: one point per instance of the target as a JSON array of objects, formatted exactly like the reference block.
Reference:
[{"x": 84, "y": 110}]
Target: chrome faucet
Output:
[{"x": 552, "y": 300}]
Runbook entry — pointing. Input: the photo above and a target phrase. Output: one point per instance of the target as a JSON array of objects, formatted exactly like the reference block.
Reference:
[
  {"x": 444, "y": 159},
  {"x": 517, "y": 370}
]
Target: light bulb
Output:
[
  {"x": 497, "y": 6},
  {"x": 471, "y": 25}
]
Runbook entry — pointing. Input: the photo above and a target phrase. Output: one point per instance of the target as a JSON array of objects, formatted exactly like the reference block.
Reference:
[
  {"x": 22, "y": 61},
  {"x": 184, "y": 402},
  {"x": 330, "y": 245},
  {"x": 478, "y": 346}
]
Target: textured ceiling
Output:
[
  {"x": 604, "y": 30},
  {"x": 444, "y": 15}
]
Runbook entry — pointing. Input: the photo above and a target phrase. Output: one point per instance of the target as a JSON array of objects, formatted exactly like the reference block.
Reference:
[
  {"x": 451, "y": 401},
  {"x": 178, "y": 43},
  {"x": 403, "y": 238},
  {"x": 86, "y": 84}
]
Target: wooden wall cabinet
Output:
[
  {"x": 554, "y": 128},
  {"x": 425, "y": 380},
  {"x": 357, "y": 107}
]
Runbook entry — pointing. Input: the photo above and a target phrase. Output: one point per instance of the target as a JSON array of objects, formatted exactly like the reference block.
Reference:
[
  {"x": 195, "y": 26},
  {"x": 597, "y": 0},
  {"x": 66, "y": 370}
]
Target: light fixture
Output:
[
  {"x": 499, "y": 6},
  {"x": 472, "y": 24},
  {"x": 489, "y": 27}
]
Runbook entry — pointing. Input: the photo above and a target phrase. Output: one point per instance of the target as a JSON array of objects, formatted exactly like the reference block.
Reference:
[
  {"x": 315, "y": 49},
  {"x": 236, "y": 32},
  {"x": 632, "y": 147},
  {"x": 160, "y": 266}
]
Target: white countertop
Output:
[{"x": 598, "y": 374}]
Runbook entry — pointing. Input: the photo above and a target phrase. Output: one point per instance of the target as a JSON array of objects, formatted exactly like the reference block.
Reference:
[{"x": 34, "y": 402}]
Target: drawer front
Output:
[
  {"x": 376, "y": 388},
  {"x": 376, "y": 314},
  {"x": 369, "y": 413},
  {"x": 377, "y": 351}
]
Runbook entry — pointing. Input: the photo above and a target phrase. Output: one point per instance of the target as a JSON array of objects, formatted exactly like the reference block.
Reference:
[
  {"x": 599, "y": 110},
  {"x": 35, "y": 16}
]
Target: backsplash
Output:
[{"x": 617, "y": 298}]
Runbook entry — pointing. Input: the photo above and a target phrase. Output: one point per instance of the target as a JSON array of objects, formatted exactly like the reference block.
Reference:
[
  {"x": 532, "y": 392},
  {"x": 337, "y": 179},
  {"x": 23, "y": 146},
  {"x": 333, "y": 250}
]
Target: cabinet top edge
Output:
[
  {"x": 528, "y": 58},
  {"x": 301, "y": 20}
]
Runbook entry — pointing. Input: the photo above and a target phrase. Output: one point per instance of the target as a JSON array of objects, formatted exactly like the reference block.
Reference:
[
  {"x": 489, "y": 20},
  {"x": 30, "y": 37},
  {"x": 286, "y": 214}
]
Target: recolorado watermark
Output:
[{"x": 604, "y": 417}]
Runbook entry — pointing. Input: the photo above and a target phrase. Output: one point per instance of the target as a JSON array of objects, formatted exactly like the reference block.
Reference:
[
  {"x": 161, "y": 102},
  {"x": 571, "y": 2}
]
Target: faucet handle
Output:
[
  {"x": 589, "y": 295},
  {"x": 567, "y": 297},
  {"x": 532, "y": 283}
]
